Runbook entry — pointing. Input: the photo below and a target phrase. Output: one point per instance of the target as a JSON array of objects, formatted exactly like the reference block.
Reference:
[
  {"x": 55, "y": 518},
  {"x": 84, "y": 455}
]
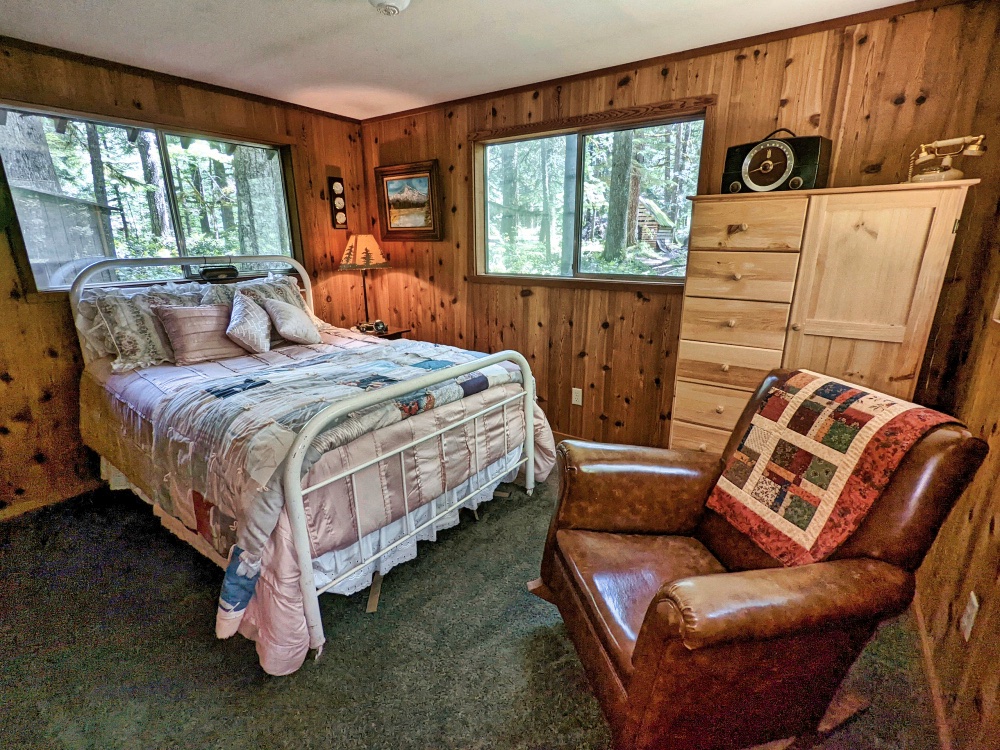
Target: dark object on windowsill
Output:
[{"x": 219, "y": 273}]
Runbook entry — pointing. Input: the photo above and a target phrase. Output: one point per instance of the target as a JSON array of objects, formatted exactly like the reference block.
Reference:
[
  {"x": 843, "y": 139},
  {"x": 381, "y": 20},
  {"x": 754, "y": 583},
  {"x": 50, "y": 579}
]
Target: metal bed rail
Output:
[{"x": 295, "y": 492}]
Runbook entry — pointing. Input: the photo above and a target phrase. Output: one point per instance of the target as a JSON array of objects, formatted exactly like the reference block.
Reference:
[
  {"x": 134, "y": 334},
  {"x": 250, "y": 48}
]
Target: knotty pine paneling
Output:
[
  {"x": 41, "y": 456},
  {"x": 966, "y": 558},
  {"x": 877, "y": 89}
]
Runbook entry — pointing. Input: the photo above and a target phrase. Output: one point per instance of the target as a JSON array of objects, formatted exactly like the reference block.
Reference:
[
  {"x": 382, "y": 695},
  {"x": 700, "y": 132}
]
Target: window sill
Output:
[
  {"x": 664, "y": 286},
  {"x": 60, "y": 295}
]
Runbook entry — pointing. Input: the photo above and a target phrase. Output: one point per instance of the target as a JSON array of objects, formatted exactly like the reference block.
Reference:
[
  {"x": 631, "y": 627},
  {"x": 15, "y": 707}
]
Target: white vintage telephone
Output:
[{"x": 946, "y": 150}]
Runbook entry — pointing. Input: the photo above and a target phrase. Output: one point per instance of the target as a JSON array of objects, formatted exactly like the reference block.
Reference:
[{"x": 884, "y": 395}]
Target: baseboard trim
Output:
[{"x": 933, "y": 682}]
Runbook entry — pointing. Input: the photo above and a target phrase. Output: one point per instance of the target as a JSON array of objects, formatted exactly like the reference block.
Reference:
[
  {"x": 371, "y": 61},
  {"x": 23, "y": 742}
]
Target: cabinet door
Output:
[{"x": 870, "y": 273}]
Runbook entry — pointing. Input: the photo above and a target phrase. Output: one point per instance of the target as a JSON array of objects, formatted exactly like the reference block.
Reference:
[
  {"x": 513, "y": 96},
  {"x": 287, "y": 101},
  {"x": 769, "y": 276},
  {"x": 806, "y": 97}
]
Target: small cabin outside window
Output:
[{"x": 608, "y": 204}]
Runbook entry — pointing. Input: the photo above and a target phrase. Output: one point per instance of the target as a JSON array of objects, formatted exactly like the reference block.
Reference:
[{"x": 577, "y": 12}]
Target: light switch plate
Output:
[
  {"x": 969, "y": 616},
  {"x": 577, "y": 397}
]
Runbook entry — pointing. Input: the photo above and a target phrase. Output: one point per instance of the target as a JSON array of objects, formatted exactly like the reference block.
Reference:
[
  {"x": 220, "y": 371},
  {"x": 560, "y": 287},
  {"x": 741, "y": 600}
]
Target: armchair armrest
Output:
[
  {"x": 760, "y": 604},
  {"x": 624, "y": 488}
]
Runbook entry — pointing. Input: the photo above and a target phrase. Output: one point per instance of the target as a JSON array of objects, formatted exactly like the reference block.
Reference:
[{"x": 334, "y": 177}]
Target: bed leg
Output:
[{"x": 374, "y": 592}]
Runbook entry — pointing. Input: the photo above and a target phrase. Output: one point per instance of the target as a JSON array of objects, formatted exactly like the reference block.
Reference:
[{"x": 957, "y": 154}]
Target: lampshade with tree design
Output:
[{"x": 362, "y": 253}]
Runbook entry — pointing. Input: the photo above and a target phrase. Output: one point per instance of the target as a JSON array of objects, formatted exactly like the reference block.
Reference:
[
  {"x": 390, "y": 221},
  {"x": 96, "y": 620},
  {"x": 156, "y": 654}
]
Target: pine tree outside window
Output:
[
  {"x": 84, "y": 190},
  {"x": 607, "y": 204}
]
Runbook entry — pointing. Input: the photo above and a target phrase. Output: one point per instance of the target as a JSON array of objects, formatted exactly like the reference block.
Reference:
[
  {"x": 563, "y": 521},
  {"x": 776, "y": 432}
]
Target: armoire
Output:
[{"x": 843, "y": 281}]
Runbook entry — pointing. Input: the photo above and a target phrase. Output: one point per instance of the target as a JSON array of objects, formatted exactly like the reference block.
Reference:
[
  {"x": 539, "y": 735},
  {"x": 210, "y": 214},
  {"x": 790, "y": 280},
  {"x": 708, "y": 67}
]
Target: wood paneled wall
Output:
[
  {"x": 877, "y": 89},
  {"x": 966, "y": 558},
  {"x": 41, "y": 457}
]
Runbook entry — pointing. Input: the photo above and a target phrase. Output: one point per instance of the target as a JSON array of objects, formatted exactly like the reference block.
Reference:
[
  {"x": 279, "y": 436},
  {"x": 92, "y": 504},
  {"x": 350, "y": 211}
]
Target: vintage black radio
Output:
[{"x": 777, "y": 164}]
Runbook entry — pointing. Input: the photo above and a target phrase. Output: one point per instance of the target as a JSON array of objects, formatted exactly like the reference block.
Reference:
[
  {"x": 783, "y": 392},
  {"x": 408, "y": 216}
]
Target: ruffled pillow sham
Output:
[
  {"x": 135, "y": 335},
  {"x": 97, "y": 339}
]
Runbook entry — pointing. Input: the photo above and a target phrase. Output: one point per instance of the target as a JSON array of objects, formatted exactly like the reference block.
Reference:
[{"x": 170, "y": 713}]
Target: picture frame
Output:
[{"x": 409, "y": 201}]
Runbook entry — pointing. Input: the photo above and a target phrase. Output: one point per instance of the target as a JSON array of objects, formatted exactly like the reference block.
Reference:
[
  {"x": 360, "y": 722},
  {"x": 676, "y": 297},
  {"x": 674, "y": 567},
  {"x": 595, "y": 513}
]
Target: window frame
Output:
[
  {"x": 669, "y": 112},
  {"x": 11, "y": 226}
]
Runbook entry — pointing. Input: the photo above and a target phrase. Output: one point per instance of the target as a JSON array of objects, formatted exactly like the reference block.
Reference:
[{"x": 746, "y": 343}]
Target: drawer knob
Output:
[
  {"x": 737, "y": 228},
  {"x": 719, "y": 409},
  {"x": 731, "y": 322},
  {"x": 796, "y": 326},
  {"x": 725, "y": 368},
  {"x": 703, "y": 447},
  {"x": 737, "y": 276}
]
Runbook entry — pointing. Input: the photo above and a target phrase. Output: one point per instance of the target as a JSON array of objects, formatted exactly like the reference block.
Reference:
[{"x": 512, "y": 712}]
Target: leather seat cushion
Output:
[{"x": 617, "y": 575}]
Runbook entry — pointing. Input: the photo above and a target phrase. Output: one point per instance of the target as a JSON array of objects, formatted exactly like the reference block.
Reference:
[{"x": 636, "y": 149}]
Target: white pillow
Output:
[
  {"x": 292, "y": 322},
  {"x": 249, "y": 325}
]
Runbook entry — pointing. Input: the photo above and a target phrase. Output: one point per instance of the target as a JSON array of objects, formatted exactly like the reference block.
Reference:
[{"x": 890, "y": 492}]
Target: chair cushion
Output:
[{"x": 617, "y": 575}]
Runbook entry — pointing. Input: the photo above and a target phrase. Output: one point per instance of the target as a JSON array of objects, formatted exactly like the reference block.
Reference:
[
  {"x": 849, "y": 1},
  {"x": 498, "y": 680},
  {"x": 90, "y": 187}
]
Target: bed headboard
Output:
[{"x": 80, "y": 282}]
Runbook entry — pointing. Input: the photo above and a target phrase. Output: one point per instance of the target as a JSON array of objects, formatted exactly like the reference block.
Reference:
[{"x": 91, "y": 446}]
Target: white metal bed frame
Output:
[{"x": 293, "y": 489}]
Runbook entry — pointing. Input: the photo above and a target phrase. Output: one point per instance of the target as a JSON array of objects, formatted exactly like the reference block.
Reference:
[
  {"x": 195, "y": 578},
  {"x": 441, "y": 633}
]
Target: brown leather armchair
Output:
[{"x": 694, "y": 637}]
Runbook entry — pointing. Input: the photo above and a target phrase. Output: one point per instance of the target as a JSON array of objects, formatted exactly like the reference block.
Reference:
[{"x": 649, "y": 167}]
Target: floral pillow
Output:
[
  {"x": 282, "y": 288},
  {"x": 276, "y": 286},
  {"x": 93, "y": 322},
  {"x": 136, "y": 335}
]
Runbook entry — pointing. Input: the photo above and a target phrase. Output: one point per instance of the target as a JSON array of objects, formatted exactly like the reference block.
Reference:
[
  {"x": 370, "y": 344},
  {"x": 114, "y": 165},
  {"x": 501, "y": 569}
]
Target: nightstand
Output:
[{"x": 392, "y": 334}]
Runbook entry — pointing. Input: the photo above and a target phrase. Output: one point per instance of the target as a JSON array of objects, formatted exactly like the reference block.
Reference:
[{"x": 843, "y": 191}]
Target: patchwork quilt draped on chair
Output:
[{"x": 816, "y": 456}]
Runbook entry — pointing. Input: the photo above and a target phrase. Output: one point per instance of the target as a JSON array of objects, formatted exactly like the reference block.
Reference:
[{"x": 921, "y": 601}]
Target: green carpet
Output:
[{"x": 106, "y": 641}]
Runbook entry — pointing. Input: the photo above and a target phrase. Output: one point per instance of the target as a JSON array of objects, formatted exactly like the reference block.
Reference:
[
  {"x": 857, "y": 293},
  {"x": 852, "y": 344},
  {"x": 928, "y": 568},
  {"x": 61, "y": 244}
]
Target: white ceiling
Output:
[{"x": 341, "y": 56}]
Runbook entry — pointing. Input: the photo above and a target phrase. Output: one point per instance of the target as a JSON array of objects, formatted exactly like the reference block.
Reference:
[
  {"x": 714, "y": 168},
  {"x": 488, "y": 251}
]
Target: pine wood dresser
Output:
[{"x": 843, "y": 281}]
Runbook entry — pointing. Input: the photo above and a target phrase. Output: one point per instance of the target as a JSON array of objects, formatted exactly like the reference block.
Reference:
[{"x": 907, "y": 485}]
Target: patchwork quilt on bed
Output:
[
  {"x": 227, "y": 438},
  {"x": 815, "y": 458}
]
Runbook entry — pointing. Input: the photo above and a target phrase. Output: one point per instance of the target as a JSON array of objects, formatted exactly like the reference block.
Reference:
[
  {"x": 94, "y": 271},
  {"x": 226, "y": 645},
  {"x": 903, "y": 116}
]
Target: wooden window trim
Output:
[{"x": 697, "y": 107}]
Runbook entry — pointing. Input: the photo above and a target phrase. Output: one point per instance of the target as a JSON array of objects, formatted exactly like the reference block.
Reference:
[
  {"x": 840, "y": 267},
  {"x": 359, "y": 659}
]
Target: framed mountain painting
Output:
[{"x": 409, "y": 201}]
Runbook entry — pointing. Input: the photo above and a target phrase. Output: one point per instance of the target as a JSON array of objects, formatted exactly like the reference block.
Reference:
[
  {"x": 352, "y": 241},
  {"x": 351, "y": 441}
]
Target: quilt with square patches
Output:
[{"x": 815, "y": 458}]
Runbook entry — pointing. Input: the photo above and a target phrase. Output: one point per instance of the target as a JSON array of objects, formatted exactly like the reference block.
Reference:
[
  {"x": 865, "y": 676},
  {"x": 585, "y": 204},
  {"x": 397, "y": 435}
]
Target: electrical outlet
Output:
[
  {"x": 577, "y": 397},
  {"x": 969, "y": 616}
]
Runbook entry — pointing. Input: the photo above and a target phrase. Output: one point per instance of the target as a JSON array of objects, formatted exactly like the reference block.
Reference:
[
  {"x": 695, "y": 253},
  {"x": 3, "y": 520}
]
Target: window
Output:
[
  {"x": 84, "y": 190},
  {"x": 609, "y": 204}
]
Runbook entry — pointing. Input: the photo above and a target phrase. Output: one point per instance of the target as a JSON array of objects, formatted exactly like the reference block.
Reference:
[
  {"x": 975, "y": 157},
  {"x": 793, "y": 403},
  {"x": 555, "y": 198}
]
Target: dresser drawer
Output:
[
  {"x": 684, "y": 435},
  {"x": 724, "y": 364},
  {"x": 709, "y": 405},
  {"x": 748, "y": 224},
  {"x": 724, "y": 321},
  {"x": 769, "y": 277}
]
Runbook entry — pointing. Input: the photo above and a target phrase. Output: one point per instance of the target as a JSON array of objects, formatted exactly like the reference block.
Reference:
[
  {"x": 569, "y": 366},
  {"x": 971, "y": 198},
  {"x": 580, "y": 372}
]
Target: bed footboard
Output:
[{"x": 295, "y": 492}]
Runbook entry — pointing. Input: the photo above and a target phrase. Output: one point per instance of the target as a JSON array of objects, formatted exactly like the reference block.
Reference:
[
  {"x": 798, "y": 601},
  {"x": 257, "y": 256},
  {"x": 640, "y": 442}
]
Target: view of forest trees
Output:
[
  {"x": 634, "y": 217},
  {"x": 85, "y": 191}
]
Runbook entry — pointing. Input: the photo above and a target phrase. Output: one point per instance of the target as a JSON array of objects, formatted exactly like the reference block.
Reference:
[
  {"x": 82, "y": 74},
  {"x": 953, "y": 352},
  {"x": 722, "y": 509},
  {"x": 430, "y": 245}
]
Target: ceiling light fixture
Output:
[{"x": 390, "y": 7}]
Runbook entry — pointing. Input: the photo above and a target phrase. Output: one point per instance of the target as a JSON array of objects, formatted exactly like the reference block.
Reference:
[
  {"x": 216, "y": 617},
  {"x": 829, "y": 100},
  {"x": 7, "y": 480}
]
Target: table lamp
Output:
[{"x": 363, "y": 253}]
